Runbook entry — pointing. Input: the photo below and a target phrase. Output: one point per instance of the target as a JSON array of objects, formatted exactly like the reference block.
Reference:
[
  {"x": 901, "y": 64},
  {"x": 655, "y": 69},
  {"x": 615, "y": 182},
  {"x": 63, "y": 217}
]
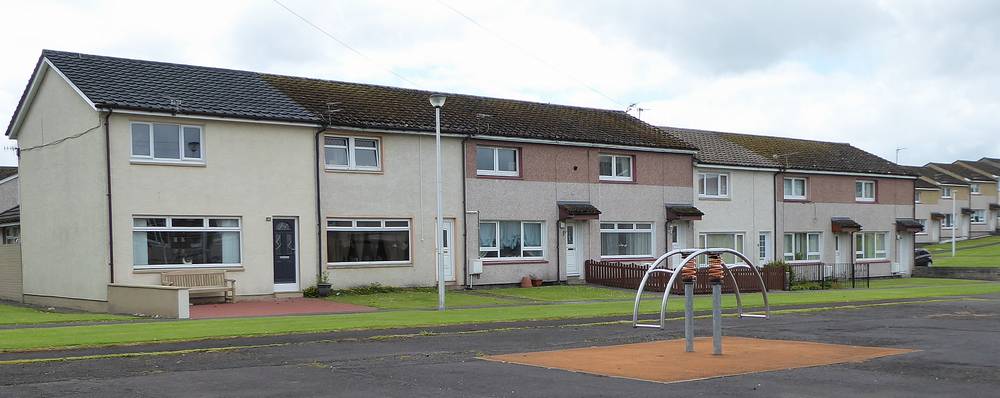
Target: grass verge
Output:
[
  {"x": 136, "y": 333},
  {"x": 17, "y": 315}
]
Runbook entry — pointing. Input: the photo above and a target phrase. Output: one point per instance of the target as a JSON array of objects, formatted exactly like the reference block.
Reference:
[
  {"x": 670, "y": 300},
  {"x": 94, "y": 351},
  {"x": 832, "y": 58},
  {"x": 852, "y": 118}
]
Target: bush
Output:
[
  {"x": 311, "y": 291},
  {"x": 364, "y": 290}
]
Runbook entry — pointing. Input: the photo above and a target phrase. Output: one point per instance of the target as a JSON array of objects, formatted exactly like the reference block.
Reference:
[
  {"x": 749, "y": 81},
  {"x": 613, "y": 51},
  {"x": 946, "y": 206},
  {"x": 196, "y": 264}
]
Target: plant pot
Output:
[
  {"x": 323, "y": 289},
  {"x": 526, "y": 282},
  {"x": 536, "y": 282}
]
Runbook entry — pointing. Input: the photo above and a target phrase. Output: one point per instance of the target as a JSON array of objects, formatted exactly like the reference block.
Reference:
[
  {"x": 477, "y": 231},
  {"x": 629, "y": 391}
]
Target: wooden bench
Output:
[{"x": 202, "y": 281}]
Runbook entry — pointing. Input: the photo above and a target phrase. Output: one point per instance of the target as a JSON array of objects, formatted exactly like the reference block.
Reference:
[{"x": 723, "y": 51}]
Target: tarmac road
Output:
[{"x": 959, "y": 343}]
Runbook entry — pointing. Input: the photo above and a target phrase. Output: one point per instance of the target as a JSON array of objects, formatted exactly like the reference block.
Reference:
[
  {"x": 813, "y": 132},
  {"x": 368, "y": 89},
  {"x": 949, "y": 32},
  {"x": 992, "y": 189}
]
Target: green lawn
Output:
[
  {"x": 563, "y": 293},
  {"x": 964, "y": 243},
  {"x": 420, "y": 299},
  {"x": 131, "y": 333},
  {"x": 16, "y": 315},
  {"x": 919, "y": 282}
]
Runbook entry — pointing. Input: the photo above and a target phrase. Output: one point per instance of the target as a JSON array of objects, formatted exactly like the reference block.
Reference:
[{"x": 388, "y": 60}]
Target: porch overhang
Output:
[
  {"x": 967, "y": 211},
  {"x": 683, "y": 212},
  {"x": 994, "y": 206},
  {"x": 844, "y": 224},
  {"x": 909, "y": 225},
  {"x": 577, "y": 211},
  {"x": 937, "y": 216},
  {"x": 11, "y": 215}
]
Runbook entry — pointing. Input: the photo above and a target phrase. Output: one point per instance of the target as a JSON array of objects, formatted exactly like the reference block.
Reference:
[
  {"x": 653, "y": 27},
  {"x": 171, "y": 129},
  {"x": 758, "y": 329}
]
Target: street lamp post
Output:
[{"x": 437, "y": 101}]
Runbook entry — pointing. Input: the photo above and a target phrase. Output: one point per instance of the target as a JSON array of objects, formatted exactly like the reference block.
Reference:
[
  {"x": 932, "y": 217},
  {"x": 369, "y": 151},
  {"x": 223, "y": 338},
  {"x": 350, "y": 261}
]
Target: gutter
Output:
[{"x": 107, "y": 165}]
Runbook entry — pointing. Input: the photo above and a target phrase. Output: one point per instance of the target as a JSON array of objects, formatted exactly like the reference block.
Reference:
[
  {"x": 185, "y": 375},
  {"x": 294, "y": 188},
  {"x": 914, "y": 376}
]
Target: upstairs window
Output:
[
  {"x": 494, "y": 161},
  {"x": 615, "y": 167},
  {"x": 352, "y": 153},
  {"x": 945, "y": 193},
  {"x": 795, "y": 188},
  {"x": 916, "y": 197},
  {"x": 864, "y": 191},
  {"x": 974, "y": 188},
  {"x": 713, "y": 185},
  {"x": 166, "y": 142}
]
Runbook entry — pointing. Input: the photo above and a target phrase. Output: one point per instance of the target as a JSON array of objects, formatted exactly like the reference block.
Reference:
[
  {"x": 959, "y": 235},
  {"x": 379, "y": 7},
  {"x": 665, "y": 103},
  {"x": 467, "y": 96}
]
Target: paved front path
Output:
[{"x": 956, "y": 339}]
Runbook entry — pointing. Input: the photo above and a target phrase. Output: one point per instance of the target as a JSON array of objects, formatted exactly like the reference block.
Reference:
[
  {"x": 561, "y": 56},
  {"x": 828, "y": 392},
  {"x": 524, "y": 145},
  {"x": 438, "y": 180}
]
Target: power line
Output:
[
  {"x": 343, "y": 43},
  {"x": 529, "y": 53}
]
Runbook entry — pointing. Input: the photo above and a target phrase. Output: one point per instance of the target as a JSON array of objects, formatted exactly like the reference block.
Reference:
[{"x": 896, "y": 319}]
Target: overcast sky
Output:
[{"x": 924, "y": 75}]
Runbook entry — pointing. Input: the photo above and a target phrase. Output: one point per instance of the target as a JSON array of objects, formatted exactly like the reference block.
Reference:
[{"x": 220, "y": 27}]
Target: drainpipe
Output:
[
  {"x": 560, "y": 227},
  {"x": 319, "y": 210},
  {"x": 774, "y": 210},
  {"x": 107, "y": 165},
  {"x": 466, "y": 280}
]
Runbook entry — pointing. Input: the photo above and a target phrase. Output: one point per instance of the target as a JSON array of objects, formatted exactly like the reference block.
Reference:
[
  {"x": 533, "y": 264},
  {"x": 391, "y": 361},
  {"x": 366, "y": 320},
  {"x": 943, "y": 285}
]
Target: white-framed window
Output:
[
  {"x": 870, "y": 245},
  {"x": 11, "y": 234},
  {"x": 948, "y": 221},
  {"x": 864, "y": 191},
  {"x": 167, "y": 142},
  {"x": 802, "y": 246},
  {"x": 352, "y": 153},
  {"x": 725, "y": 240},
  {"x": 974, "y": 188},
  {"x": 364, "y": 241},
  {"x": 713, "y": 185},
  {"x": 615, "y": 167},
  {"x": 627, "y": 239},
  {"x": 512, "y": 240},
  {"x": 978, "y": 216},
  {"x": 497, "y": 161},
  {"x": 185, "y": 242},
  {"x": 916, "y": 197},
  {"x": 764, "y": 247},
  {"x": 945, "y": 192},
  {"x": 923, "y": 222},
  {"x": 795, "y": 188}
]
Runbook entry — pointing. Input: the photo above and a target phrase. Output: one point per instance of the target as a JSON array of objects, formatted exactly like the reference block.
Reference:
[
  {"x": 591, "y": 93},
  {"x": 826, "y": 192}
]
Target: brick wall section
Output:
[{"x": 10, "y": 272}]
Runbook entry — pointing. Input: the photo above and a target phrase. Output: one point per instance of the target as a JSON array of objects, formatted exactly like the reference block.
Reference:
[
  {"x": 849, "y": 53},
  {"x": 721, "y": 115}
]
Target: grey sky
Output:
[{"x": 878, "y": 74}]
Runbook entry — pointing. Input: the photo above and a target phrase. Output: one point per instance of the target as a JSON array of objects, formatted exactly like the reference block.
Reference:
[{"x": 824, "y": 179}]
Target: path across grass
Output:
[{"x": 151, "y": 332}]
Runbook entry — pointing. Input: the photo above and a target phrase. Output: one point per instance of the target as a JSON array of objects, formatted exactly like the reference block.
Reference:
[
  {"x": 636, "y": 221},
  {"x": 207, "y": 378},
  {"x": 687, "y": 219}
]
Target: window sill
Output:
[
  {"x": 156, "y": 270},
  {"x": 401, "y": 264},
  {"x": 500, "y": 176},
  {"x": 803, "y": 262},
  {"x": 358, "y": 171},
  {"x": 716, "y": 198},
  {"x": 798, "y": 200},
  {"x": 864, "y": 201},
  {"x": 872, "y": 261},
  {"x": 503, "y": 262},
  {"x": 610, "y": 181},
  {"x": 625, "y": 259},
  {"x": 181, "y": 163}
]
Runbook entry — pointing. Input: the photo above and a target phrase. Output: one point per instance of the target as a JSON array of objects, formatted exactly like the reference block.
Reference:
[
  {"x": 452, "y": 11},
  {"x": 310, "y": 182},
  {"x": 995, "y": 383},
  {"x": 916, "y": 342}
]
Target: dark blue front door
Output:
[{"x": 284, "y": 250}]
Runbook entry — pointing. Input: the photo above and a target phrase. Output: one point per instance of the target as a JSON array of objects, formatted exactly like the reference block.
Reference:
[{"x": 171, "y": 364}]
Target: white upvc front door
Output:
[
  {"x": 572, "y": 245},
  {"x": 448, "y": 237}
]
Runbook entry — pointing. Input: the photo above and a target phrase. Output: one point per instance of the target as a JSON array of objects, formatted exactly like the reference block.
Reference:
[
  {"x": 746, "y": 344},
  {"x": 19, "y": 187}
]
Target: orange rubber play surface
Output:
[{"x": 666, "y": 361}]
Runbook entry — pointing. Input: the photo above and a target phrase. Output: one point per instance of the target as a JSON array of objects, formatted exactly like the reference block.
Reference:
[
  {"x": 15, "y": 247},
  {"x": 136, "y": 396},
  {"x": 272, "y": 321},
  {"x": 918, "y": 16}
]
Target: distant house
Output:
[
  {"x": 802, "y": 201},
  {"x": 982, "y": 204},
  {"x": 942, "y": 205}
]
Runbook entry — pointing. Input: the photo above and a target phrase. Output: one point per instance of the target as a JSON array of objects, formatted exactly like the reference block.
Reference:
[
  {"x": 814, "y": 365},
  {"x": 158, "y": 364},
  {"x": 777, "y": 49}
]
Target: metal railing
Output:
[{"x": 830, "y": 275}]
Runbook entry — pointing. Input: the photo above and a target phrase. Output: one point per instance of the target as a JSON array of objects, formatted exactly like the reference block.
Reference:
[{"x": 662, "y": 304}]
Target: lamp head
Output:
[{"x": 437, "y": 100}]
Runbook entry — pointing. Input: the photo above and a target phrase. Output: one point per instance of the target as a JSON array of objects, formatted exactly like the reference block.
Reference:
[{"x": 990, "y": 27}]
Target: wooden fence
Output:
[{"x": 628, "y": 276}]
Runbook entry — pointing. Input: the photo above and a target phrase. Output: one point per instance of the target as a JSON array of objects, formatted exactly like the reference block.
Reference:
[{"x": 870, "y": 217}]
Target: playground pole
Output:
[
  {"x": 717, "y": 317},
  {"x": 689, "y": 316}
]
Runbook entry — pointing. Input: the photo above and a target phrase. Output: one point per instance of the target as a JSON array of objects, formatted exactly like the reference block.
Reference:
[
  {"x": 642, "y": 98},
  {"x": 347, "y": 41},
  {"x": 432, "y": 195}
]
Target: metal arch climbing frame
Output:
[{"x": 660, "y": 265}]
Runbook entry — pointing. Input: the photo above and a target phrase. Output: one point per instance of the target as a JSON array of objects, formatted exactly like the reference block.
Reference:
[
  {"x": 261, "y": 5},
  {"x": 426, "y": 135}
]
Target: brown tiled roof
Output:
[
  {"x": 935, "y": 175},
  {"x": 185, "y": 89},
  {"x": 7, "y": 171},
  {"x": 986, "y": 166},
  {"x": 716, "y": 147},
  {"x": 963, "y": 172}
]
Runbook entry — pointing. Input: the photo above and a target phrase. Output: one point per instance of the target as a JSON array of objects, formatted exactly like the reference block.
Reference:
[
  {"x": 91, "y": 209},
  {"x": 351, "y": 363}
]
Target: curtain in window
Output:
[
  {"x": 510, "y": 239},
  {"x": 626, "y": 244},
  {"x": 368, "y": 246}
]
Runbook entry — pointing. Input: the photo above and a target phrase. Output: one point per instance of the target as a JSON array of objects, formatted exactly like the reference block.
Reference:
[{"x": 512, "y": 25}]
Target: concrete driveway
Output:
[{"x": 956, "y": 339}]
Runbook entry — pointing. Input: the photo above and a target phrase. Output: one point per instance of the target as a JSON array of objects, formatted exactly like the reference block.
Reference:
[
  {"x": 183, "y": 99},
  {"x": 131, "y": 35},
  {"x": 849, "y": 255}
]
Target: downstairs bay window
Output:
[
  {"x": 185, "y": 242},
  {"x": 511, "y": 240},
  {"x": 869, "y": 246},
  {"x": 627, "y": 240},
  {"x": 802, "y": 246},
  {"x": 367, "y": 241}
]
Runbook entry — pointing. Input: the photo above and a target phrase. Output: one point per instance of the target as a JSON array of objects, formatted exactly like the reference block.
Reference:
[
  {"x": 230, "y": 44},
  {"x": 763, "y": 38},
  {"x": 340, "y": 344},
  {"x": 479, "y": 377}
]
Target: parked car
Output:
[{"x": 922, "y": 258}]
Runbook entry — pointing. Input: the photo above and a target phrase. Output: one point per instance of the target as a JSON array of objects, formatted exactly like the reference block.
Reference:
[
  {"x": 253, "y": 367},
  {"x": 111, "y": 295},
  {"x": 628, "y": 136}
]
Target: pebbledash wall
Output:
[
  {"x": 747, "y": 209},
  {"x": 549, "y": 174},
  {"x": 830, "y": 196},
  {"x": 401, "y": 189}
]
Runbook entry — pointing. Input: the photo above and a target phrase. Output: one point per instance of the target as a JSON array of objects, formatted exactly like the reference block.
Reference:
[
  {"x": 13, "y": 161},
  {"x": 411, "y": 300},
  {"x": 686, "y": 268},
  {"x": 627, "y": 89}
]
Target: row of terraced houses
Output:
[{"x": 130, "y": 168}]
